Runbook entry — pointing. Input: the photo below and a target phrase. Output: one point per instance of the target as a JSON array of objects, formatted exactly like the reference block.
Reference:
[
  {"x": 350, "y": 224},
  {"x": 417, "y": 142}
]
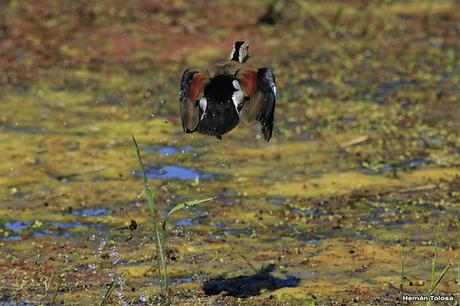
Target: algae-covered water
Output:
[{"x": 364, "y": 161}]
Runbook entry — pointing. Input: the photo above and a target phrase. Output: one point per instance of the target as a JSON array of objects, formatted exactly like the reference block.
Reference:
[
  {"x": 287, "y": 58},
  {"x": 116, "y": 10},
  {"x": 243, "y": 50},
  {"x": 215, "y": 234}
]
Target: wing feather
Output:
[
  {"x": 260, "y": 87},
  {"x": 191, "y": 90}
]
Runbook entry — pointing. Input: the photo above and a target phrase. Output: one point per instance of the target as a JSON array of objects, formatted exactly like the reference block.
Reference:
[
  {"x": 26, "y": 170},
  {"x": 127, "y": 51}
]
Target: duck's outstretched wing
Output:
[
  {"x": 259, "y": 86},
  {"x": 191, "y": 91}
]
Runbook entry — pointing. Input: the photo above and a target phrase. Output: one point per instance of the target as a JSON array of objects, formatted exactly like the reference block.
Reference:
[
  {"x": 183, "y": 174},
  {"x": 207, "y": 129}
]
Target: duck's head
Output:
[{"x": 240, "y": 52}]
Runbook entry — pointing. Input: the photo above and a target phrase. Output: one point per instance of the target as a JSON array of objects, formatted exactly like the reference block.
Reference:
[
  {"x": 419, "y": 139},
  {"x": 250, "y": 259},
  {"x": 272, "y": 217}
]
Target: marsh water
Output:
[{"x": 364, "y": 160}]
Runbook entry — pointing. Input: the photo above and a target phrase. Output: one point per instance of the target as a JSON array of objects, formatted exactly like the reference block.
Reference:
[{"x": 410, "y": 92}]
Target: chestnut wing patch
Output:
[
  {"x": 191, "y": 90},
  {"x": 197, "y": 84},
  {"x": 260, "y": 87},
  {"x": 248, "y": 80}
]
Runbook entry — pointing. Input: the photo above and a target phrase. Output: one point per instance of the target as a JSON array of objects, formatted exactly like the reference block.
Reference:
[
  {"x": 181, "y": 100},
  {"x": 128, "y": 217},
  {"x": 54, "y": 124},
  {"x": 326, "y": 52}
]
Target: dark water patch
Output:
[
  {"x": 70, "y": 225},
  {"x": 317, "y": 173},
  {"x": 413, "y": 163},
  {"x": 304, "y": 137},
  {"x": 173, "y": 172},
  {"x": 309, "y": 212},
  {"x": 13, "y": 238},
  {"x": 61, "y": 229},
  {"x": 41, "y": 233},
  {"x": 184, "y": 222},
  {"x": 4, "y": 127},
  {"x": 8, "y": 302},
  {"x": 46, "y": 232},
  {"x": 168, "y": 151},
  {"x": 17, "y": 226},
  {"x": 277, "y": 201},
  {"x": 406, "y": 165},
  {"x": 224, "y": 232},
  {"x": 51, "y": 229},
  {"x": 251, "y": 285},
  {"x": 318, "y": 84},
  {"x": 348, "y": 120},
  {"x": 390, "y": 87},
  {"x": 182, "y": 280},
  {"x": 90, "y": 212},
  {"x": 114, "y": 100}
]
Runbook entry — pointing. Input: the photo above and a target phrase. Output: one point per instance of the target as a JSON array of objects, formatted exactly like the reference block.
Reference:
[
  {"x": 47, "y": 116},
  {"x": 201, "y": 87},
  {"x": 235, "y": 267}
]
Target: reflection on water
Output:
[{"x": 174, "y": 172}]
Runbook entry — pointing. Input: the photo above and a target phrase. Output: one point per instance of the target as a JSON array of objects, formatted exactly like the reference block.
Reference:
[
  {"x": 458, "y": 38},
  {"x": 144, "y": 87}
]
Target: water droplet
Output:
[
  {"x": 143, "y": 298},
  {"x": 101, "y": 246},
  {"x": 114, "y": 253},
  {"x": 92, "y": 237}
]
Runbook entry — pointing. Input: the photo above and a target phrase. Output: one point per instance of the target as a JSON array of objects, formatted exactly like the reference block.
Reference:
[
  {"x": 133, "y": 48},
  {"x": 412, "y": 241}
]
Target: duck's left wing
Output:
[{"x": 191, "y": 91}]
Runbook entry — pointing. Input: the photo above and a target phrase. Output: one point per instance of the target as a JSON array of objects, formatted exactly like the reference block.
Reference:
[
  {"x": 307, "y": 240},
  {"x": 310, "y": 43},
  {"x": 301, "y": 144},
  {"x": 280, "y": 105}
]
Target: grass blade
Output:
[
  {"x": 443, "y": 273},
  {"x": 56, "y": 292},
  {"x": 402, "y": 271},
  {"x": 148, "y": 191},
  {"x": 458, "y": 254},
  {"x": 161, "y": 261},
  {"x": 434, "y": 260},
  {"x": 107, "y": 294},
  {"x": 182, "y": 206}
]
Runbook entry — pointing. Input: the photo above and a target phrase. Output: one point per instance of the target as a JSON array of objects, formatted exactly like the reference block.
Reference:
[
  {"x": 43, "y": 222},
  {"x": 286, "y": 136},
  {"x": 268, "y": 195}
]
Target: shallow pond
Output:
[{"x": 364, "y": 158}]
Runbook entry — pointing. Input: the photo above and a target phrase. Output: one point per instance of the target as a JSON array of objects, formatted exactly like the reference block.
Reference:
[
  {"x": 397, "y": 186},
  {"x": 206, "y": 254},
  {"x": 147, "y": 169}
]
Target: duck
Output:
[{"x": 215, "y": 100}]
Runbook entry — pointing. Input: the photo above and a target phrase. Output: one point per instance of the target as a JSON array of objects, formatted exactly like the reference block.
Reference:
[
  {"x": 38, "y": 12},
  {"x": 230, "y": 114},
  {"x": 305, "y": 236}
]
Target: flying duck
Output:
[{"x": 215, "y": 100}]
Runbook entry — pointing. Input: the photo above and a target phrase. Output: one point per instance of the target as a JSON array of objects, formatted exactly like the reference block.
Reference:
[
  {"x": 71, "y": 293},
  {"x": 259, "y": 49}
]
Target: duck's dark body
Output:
[
  {"x": 215, "y": 100},
  {"x": 220, "y": 116}
]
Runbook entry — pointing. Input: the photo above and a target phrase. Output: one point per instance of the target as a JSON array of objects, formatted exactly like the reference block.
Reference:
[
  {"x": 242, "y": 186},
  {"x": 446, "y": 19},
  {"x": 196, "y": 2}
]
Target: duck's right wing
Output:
[{"x": 259, "y": 87}]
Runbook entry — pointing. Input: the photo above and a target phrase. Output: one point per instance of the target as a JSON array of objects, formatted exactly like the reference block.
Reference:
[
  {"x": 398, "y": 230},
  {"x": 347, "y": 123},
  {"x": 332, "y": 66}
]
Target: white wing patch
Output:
[
  {"x": 238, "y": 95},
  {"x": 203, "y": 104},
  {"x": 274, "y": 90}
]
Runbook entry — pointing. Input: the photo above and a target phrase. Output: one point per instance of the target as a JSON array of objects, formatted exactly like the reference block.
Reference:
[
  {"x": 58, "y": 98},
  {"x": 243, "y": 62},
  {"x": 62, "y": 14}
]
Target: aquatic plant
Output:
[
  {"x": 458, "y": 257},
  {"x": 159, "y": 228},
  {"x": 434, "y": 282},
  {"x": 434, "y": 260}
]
